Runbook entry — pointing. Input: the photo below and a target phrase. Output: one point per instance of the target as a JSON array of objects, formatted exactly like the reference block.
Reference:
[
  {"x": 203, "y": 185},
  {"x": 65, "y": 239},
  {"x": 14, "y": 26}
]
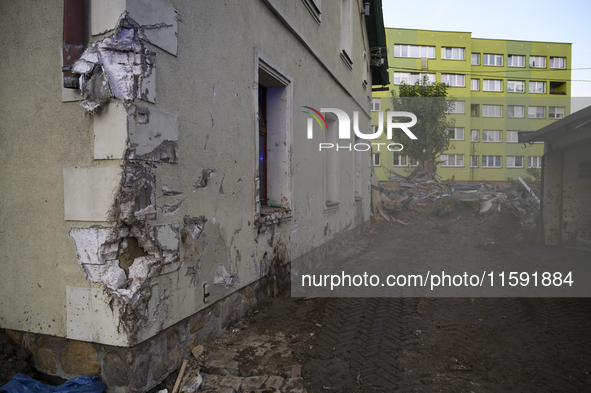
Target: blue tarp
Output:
[{"x": 22, "y": 383}]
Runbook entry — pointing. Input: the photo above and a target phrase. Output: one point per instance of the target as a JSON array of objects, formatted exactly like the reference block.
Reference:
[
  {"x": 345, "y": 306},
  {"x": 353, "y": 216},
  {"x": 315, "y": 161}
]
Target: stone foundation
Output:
[{"x": 139, "y": 368}]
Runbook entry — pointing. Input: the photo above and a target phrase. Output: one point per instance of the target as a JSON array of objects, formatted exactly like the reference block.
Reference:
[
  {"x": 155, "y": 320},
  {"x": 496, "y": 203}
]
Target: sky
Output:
[{"x": 542, "y": 20}]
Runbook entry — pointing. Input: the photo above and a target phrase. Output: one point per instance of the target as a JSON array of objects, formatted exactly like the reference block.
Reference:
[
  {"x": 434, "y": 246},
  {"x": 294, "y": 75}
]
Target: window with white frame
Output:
[
  {"x": 475, "y": 84},
  {"x": 534, "y": 162},
  {"x": 452, "y": 160},
  {"x": 456, "y": 134},
  {"x": 414, "y": 51},
  {"x": 475, "y": 110},
  {"x": 512, "y": 136},
  {"x": 474, "y": 135},
  {"x": 516, "y": 111},
  {"x": 376, "y": 104},
  {"x": 414, "y": 78},
  {"x": 514, "y": 161},
  {"x": 401, "y": 77},
  {"x": 558, "y": 62},
  {"x": 455, "y": 80},
  {"x": 376, "y": 159},
  {"x": 492, "y": 85},
  {"x": 457, "y": 107},
  {"x": 537, "y": 61},
  {"x": 515, "y": 86},
  {"x": 491, "y": 136},
  {"x": 515, "y": 61},
  {"x": 537, "y": 87},
  {"x": 473, "y": 161},
  {"x": 555, "y": 112},
  {"x": 492, "y": 110},
  {"x": 452, "y": 53},
  {"x": 475, "y": 58},
  {"x": 491, "y": 161},
  {"x": 492, "y": 60},
  {"x": 536, "y": 112},
  {"x": 400, "y": 160}
]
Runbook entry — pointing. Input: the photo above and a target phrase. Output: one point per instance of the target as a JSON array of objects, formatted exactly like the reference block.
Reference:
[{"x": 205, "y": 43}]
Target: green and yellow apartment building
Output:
[{"x": 500, "y": 87}]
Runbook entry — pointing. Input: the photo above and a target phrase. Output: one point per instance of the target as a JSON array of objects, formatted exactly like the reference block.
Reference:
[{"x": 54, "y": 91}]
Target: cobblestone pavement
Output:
[{"x": 467, "y": 344}]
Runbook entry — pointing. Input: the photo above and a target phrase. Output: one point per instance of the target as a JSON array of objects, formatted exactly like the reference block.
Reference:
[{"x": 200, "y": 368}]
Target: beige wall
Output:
[{"x": 207, "y": 89}]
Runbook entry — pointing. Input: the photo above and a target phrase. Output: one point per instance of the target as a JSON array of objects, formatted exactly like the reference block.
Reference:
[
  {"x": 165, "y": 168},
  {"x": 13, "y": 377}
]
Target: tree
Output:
[{"x": 429, "y": 104}]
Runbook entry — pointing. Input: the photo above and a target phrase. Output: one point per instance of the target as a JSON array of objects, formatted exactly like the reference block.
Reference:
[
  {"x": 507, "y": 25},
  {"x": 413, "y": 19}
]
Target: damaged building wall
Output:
[
  {"x": 576, "y": 186},
  {"x": 183, "y": 214}
]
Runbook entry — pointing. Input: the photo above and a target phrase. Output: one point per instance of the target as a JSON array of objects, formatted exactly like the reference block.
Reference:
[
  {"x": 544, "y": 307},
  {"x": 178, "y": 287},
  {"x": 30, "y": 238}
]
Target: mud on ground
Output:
[{"x": 425, "y": 344}]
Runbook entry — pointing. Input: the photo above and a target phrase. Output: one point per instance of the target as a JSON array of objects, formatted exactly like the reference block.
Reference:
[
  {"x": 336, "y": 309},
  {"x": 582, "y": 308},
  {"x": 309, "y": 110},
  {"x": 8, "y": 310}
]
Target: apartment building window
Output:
[
  {"x": 474, "y": 84},
  {"x": 492, "y": 110},
  {"x": 515, "y": 61},
  {"x": 457, "y": 107},
  {"x": 514, "y": 161},
  {"x": 492, "y": 60},
  {"x": 537, "y": 61},
  {"x": 414, "y": 51},
  {"x": 555, "y": 112},
  {"x": 376, "y": 104},
  {"x": 516, "y": 86},
  {"x": 400, "y": 160},
  {"x": 491, "y": 161},
  {"x": 492, "y": 85},
  {"x": 473, "y": 161},
  {"x": 452, "y": 160},
  {"x": 475, "y": 110},
  {"x": 452, "y": 53},
  {"x": 414, "y": 78},
  {"x": 347, "y": 33},
  {"x": 456, "y": 134},
  {"x": 536, "y": 112},
  {"x": 491, "y": 136},
  {"x": 376, "y": 159},
  {"x": 558, "y": 62},
  {"x": 401, "y": 77},
  {"x": 534, "y": 162},
  {"x": 331, "y": 165},
  {"x": 516, "y": 111},
  {"x": 512, "y": 136},
  {"x": 454, "y": 80},
  {"x": 475, "y": 58},
  {"x": 474, "y": 136},
  {"x": 537, "y": 87}
]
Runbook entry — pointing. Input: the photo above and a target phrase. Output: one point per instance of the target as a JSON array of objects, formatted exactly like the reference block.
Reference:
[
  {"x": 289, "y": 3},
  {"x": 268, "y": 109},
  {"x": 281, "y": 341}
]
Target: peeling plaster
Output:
[
  {"x": 222, "y": 185},
  {"x": 190, "y": 233},
  {"x": 172, "y": 210},
  {"x": 115, "y": 66},
  {"x": 168, "y": 192},
  {"x": 222, "y": 277},
  {"x": 204, "y": 179}
]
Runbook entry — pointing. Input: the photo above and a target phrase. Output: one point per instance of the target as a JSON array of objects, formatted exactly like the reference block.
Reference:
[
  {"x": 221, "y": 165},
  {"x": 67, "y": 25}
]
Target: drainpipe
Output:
[{"x": 74, "y": 39}]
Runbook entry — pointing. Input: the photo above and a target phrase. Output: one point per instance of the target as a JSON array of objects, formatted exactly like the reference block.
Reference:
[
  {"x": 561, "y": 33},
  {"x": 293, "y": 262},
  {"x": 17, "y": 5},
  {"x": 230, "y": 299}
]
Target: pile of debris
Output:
[{"x": 399, "y": 194}]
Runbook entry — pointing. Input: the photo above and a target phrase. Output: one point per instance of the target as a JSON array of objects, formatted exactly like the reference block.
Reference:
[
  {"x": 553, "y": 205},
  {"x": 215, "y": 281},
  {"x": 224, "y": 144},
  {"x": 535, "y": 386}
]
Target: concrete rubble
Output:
[
  {"x": 216, "y": 376},
  {"x": 408, "y": 194}
]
